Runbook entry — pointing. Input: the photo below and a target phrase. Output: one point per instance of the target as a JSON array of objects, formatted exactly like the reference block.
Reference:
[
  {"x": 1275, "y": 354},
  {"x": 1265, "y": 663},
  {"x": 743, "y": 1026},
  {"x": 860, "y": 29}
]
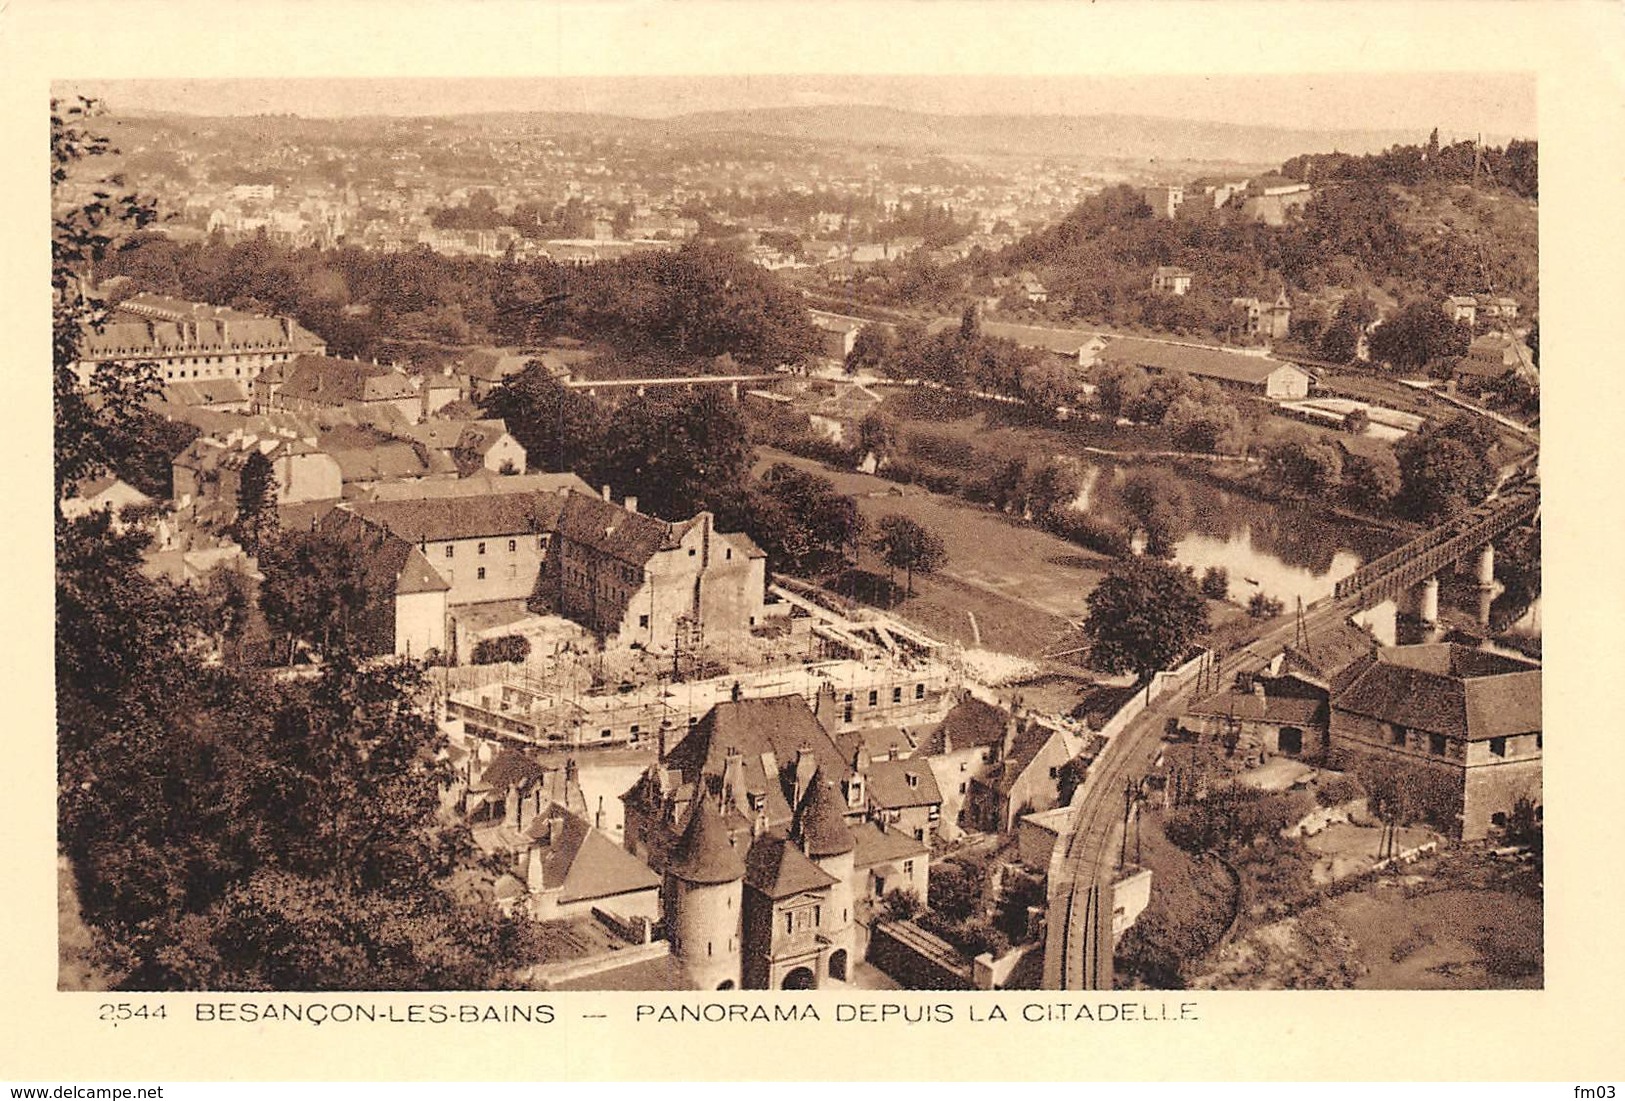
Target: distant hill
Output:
[
  {"x": 1099, "y": 137},
  {"x": 1120, "y": 137}
]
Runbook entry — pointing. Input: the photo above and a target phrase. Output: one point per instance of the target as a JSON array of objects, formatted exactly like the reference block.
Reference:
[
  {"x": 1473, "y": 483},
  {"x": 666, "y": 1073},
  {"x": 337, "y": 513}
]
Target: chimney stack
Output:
[
  {"x": 631, "y": 504},
  {"x": 598, "y": 816},
  {"x": 605, "y": 491}
]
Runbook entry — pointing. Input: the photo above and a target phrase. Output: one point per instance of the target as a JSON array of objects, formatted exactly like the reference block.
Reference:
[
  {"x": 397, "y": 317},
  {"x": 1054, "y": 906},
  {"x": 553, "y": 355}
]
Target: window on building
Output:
[
  {"x": 962, "y": 788},
  {"x": 691, "y": 552},
  {"x": 847, "y": 714},
  {"x": 451, "y": 551},
  {"x": 643, "y": 621},
  {"x": 604, "y": 733},
  {"x": 919, "y": 691},
  {"x": 908, "y": 868},
  {"x": 1498, "y": 747},
  {"x": 729, "y": 553},
  {"x": 935, "y": 814},
  {"x": 1538, "y": 739},
  {"x": 479, "y": 574},
  {"x": 513, "y": 545},
  {"x": 897, "y": 695},
  {"x": 481, "y": 549},
  {"x": 874, "y": 698},
  {"x": 1436, "y": 744}
]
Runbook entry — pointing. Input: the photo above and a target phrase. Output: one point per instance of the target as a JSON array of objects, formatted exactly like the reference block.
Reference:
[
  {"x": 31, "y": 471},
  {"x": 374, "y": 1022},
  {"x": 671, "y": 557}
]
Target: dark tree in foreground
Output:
[
  {"x": 256, "y": 501},
  {"x": 313, "y": 589},
  {"x": 905, "y": 545},
  {"x": 225, "y": 830},
  {"x": 1145, "y": 615},
  {"x": 93, "y": 412}
]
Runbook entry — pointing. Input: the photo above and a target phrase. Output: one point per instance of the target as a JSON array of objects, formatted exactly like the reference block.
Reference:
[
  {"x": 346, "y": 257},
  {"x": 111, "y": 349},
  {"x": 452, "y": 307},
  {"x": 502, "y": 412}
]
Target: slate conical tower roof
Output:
[
  {"x": 820, "y": 824},
  {"x": 703, "y": 854}
]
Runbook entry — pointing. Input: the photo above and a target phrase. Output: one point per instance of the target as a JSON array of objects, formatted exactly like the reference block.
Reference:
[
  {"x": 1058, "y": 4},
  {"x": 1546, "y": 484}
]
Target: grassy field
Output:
[{"x": 1022, "y": 585}]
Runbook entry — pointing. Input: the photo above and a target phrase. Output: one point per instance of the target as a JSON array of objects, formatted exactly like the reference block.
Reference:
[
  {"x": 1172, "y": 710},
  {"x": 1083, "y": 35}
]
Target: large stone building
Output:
[
  {"x": 191, "y": 342},
  {"x": 633, "y": 579},
  {"x": 630, "y": 579},
  {"x": 1462, "y": 726}
]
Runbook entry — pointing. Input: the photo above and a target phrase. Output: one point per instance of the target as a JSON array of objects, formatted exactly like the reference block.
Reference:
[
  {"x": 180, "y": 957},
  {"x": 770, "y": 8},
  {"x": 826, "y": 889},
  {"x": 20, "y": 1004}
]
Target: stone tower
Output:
[
  {"x": 704, "y": 893},
  {"x": 820, "y": 830}
]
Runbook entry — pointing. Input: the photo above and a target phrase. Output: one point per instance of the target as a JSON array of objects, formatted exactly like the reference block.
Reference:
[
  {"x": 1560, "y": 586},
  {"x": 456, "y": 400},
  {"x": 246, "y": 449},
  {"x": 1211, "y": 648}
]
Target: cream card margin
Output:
[{"x": 1575, "y": 51}]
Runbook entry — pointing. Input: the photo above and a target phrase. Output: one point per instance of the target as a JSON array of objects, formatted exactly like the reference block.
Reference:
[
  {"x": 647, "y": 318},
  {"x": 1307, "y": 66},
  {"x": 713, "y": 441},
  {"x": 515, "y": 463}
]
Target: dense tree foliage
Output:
[
  {"x": 1145, "y": 615},
  {"x": 1514, "y": 167},
  {"x": 679, "y": 453},
  {"x": 691, "y": 304},
  {"x": 560, "y": 429},
  {"x": 803, "y": 524},
  {"x": 1446, "y": 467},
  {"x": 1357, "y": 231},
  {"x": 905, "y": 544},
  {"x": 1418, "y": 335}
]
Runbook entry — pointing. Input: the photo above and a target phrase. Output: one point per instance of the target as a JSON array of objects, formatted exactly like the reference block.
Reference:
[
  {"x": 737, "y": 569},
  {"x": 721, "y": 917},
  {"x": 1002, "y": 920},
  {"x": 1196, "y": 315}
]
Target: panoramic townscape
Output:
[{"x": 793, "y": 547}]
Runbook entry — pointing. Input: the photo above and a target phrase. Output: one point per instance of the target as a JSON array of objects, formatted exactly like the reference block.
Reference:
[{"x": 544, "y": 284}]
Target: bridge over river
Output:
[{"x": 1078, "y": 951}]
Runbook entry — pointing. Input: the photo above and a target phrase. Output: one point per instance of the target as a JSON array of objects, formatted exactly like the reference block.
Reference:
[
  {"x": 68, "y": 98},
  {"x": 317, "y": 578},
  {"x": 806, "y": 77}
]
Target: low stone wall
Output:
[{"x": 918, "y": 960}]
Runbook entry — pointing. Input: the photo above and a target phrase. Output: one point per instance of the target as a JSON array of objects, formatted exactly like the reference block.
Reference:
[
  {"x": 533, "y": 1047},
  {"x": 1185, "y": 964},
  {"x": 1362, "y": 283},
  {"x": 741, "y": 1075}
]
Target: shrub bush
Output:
[{"x": 490, "y": 651}]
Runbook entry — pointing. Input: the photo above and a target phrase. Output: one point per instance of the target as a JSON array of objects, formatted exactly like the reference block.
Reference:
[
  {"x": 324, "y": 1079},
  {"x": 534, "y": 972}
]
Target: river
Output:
[{"x": 1284, "y": 551}]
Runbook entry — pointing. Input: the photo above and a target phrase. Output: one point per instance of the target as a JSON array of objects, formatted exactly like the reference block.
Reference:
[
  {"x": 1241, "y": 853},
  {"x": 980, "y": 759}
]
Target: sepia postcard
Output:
[{"x": 646, "y": 541}]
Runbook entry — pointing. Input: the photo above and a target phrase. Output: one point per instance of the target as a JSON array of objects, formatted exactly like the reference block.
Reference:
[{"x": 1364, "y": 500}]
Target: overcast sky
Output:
[{"x": 1498, "y": 104}]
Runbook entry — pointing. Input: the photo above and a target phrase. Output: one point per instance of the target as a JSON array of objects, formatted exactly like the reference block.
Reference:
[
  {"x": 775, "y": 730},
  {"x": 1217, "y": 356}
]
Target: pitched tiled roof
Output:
[
  {"x": 1216, "y": 363},
  {"x": 511, "y": 768},
  {"x": 609, "y": 529},
  {"x": 380, "y": 463},
  {"x": 704, "y": 854},
  {"x": 970, "y": 723},
  {"x": 775, "y": 867},
  {"x": 582, "y": 862},
  {"x": 1329, "y": 650},
  {"x": 1253, "y": 707},
  {"x": 444, "y": 518},
  {"x": 777, "y": 727},
  {"x": 890, "y": 789},
  {"x": 479, "y": 483},
  {"x": 207, "y": 391},
  {"x": 821, "y": 823},
  {"x": 495, "y": 364},
  {"x": 1447, "y": 689},
  {"x": 876, "y": 846},
  {"x": 330, "y": 381}
]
